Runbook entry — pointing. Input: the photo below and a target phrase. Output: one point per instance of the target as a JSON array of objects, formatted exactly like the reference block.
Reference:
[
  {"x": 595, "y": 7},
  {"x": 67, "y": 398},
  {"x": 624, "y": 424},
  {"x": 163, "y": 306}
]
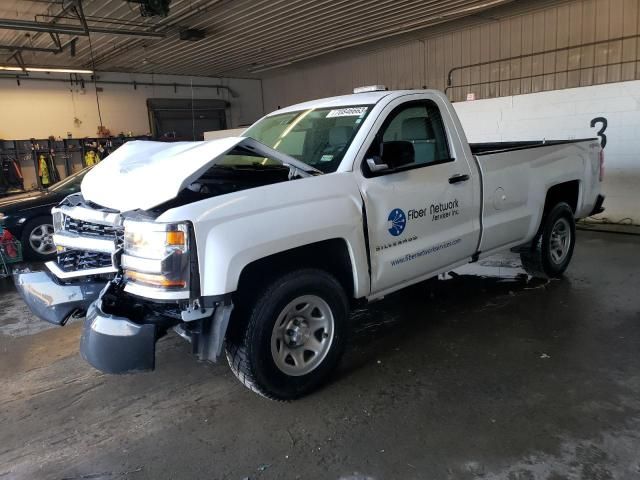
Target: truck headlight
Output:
[{"x": 156, "y": 254}]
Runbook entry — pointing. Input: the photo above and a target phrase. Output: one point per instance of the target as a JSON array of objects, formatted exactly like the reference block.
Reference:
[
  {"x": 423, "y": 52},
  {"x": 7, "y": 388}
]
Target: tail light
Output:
[{"x": 601, "y": 177}]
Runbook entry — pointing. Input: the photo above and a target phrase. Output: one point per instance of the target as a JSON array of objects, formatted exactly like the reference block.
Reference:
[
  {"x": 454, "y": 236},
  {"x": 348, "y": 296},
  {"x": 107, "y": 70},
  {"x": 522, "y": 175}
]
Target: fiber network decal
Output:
[{"x": 397, "y": 221}]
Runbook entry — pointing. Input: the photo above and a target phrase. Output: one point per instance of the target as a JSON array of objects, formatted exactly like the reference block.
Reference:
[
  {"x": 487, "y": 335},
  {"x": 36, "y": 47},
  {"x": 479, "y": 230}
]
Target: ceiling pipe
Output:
[
  {"x": 71, "y": 44},
  {"x": 33, "y": 26},
  {"x": 44, "y": 18},
  {"x": 17, "y": 48},
  {"x": 136, "y": 84}
]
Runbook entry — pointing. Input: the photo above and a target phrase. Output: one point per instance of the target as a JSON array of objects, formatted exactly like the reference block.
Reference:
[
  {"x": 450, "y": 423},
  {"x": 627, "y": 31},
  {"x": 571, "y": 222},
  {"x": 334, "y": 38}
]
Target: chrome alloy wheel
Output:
[
  {"x": 560, "y": 241},
  {"x": 302, "y": 335},
  {"x": 41, "y": 239}
]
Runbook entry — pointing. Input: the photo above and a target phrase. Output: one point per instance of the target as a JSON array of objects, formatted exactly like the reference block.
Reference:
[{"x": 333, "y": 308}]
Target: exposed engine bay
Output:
[{"x": 239, "y": 170}]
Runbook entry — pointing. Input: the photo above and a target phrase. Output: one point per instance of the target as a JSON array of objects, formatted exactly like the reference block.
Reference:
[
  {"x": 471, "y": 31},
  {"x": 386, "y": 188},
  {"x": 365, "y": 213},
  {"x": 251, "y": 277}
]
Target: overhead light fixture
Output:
[
  {"x": 11, "y": 68},
  {"x": 58, "y": 70}
]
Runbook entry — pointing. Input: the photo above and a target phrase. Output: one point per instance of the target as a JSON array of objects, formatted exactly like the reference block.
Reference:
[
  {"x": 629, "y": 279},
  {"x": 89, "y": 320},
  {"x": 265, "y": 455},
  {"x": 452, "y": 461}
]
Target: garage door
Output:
[{"x": 184, "y": 119}]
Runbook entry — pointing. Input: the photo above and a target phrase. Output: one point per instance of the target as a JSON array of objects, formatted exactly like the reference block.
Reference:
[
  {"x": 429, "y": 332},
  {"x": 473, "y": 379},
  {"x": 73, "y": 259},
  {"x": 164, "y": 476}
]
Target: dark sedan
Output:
[{"x": 28, "y": 216}]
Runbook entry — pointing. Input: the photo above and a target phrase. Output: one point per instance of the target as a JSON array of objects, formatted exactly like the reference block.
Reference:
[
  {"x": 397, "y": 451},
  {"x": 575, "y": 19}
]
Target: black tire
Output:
[
  {"x": 249, "y": 342},
  {"x": 540, "y": 260},
  {"x": 28, "y": 249}
]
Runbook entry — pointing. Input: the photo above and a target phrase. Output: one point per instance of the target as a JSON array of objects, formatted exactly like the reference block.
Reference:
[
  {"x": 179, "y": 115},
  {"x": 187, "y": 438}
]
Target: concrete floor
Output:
[{"x": 479, "y": 375}]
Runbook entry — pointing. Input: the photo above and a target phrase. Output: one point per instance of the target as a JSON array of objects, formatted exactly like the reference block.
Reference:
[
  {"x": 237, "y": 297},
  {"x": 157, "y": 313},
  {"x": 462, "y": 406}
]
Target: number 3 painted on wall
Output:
[{"x": 603, "y": 137}]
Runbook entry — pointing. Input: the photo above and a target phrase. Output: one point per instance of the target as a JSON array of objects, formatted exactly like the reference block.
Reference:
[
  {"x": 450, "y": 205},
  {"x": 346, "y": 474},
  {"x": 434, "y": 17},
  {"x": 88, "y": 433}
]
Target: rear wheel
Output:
[
  {"x": 290, "y": 337},
  {"x": 37, "y": 239},
  {"x": 552, "y": 248}
]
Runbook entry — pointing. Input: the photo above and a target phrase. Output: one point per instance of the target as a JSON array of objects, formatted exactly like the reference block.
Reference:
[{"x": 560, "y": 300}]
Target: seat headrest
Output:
[
  {"x": 417, "y": 128},
  {"x": 339, "y": 135}
]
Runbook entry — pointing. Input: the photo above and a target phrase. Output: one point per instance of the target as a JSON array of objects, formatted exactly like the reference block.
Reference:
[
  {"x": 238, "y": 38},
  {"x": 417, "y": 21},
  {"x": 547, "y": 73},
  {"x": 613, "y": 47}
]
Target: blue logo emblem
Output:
[{"x": 397, "y": 222}]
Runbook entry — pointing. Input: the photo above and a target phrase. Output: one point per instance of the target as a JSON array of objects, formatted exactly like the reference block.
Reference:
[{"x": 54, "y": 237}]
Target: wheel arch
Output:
[
  {"x": 331, "y": 255},
  {"x": 567, "y": 192}
]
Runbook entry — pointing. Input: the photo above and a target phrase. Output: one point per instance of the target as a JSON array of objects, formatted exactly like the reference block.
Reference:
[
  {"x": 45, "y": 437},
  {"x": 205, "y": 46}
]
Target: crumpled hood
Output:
[{"x": 143, "y": 174}]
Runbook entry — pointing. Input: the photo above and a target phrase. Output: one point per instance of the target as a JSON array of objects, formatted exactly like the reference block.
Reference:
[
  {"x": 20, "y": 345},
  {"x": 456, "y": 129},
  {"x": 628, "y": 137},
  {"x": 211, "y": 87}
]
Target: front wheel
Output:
[
  {"x": 291, "y": 336},
  {"x": 552, "y": 248}
]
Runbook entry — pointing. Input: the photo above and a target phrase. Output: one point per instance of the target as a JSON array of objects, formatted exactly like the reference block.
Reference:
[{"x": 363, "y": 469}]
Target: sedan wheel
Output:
[{"x": 41, "y": 240}]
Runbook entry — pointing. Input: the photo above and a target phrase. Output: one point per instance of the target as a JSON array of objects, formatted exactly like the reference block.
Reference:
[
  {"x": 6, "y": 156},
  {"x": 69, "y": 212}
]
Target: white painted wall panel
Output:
[
  {"x": 567, "y": 113},
  {"x": 40, "y": 109}
]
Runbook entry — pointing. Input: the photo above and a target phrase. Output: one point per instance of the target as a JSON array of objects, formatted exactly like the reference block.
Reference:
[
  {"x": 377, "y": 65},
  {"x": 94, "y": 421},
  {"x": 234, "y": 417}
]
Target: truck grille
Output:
[
  {"x": 93, "y": 229},
  {"x": 74, "y": 260}
]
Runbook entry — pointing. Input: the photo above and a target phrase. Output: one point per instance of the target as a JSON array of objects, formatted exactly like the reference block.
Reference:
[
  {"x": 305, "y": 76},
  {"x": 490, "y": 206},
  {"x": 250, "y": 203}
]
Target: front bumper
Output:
[
  {"x": 115, "y": 344},
  {"x": 110, "y": 343},
  {"x": 55, "y": 302}
]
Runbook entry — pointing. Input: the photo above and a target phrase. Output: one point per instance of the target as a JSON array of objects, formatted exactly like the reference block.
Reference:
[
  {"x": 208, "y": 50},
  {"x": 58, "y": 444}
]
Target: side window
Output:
[{"x": 420, "y": 124}]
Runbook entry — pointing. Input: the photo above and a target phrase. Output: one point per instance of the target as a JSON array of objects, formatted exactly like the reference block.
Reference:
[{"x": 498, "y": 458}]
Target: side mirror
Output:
[
  {"x": 398, "y": 153},
  {"x": 395, "y": 154},
  {"x": 375, "y": 164}
]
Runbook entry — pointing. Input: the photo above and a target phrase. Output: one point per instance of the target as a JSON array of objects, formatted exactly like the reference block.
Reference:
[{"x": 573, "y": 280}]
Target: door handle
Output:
[{"x": 458, "y": 178}]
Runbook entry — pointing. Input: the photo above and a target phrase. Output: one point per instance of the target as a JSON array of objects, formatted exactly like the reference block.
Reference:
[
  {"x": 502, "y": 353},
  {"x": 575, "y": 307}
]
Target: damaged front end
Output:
[
  {"x": 133, "y": 275},
  {"x": 134, "y": 279}
]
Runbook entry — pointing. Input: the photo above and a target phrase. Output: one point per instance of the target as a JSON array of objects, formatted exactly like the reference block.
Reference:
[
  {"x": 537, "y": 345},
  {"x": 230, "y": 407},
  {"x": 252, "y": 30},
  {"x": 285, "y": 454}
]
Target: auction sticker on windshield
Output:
[{"x": 347, "y": 112}]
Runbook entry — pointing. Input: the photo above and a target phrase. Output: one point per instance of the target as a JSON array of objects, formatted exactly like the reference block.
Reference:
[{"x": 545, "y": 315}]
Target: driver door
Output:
[{"x": 421, "y": 213}]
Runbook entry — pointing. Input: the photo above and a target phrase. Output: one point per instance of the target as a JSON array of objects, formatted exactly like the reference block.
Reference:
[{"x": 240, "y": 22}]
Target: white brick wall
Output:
[{"x": 565, "y": 114}]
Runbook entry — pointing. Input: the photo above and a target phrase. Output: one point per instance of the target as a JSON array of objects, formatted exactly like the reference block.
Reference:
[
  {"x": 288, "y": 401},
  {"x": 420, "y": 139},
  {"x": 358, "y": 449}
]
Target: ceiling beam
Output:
[
  {"x": 77, "y": 7},
  {"x": 32, "y": 26},
  {"x": 16, "y": 48}
]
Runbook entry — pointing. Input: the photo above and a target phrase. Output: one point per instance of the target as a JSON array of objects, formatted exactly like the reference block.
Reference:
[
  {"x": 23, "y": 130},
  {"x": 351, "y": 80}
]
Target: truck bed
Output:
[
  {"x": 517, "y": 175},
  {"x": 499, "y": 147}
]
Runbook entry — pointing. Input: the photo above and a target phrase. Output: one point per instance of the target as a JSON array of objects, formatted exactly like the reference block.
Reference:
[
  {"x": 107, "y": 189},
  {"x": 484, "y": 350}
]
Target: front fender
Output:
[{"x": 237, "y": 229}]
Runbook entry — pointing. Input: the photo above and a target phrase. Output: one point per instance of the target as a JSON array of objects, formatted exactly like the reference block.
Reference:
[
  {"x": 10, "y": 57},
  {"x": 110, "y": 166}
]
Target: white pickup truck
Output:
[{"x": 259, "y": 244}]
